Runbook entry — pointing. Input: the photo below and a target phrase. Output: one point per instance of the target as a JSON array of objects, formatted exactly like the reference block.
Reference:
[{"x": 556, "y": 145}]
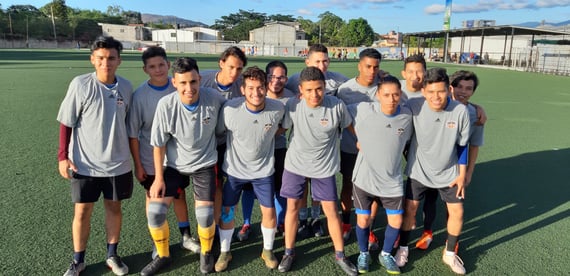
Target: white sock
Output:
[
  {"x": 268, "y": 237},
  {"x": 384, "y": 253},
  {"x": 226, "y": 239},
  {"x": 449, "y": 253}
]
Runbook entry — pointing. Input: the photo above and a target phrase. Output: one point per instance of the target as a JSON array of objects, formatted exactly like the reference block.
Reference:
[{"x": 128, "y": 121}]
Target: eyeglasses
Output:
[{"x": 280, "y": 78}]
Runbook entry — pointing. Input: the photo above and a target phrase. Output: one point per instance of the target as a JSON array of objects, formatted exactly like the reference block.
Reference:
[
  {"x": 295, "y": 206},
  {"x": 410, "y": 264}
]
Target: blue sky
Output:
[{"x": 382, "y": 15}]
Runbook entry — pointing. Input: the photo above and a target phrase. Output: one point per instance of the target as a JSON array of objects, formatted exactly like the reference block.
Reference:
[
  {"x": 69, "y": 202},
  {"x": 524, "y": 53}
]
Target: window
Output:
[{"x": 172, "y": 34}]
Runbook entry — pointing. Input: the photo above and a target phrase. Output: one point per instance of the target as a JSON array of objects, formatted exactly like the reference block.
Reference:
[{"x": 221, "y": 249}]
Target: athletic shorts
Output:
[
  {"x": 87, "y": 189},
  {"x": 363, "y": 202},
  {"x": 347, "y": 162},
  {"x": 262, "y": 188},
  {"x": 203, "y": 182},
  {"x": 279, "y": 167},
  {"x": 322, "y": 189},
  {"x": 221, "y": 149},
  {"x": 417, "y": 191},
  {"x": 147, "y": 183}
]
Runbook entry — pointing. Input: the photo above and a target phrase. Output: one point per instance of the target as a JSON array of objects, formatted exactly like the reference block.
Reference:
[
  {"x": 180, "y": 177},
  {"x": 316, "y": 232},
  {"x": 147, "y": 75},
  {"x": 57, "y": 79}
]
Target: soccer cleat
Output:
[
  {"x": 269, "y": 258},
  {"x": 243, "y": 233},
  {"x": 364, "y": 261},
  {"x": 454, "y": 262},
  {"x": 155, "y": 265},
  {"x": 346, "y": 230},
  {"x": 286, "y": 263},
  {"x": 154, "y": 252},
  {"x": 347, "y": 266},
  {"x": 117, "y": 266},
  {"x": 389, "y": 263},
  {"x": 373, "y": 242},
  {"x": 303, "y": 230},
  {"x": 191, "y": 243},
  {"x": 223, "y": 261},
  {"x": 206, "y": 263},
  {"x": 317, "y": 228},
  {"x": 424, "y": 241},
  {"x": 74, "y": 269},
  {"x": 402, "y": 256}
]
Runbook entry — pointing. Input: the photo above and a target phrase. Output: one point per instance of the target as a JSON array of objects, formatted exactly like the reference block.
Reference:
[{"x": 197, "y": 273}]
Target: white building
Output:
[
  {"x": 277, "y": 38},
  {"x": 126, "y": 33}
]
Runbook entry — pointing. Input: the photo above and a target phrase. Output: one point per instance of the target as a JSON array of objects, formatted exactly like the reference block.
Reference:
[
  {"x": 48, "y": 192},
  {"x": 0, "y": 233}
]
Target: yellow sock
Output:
[
  {"x": 160, "y": 236},
  {"x": 206, "y": 237}
]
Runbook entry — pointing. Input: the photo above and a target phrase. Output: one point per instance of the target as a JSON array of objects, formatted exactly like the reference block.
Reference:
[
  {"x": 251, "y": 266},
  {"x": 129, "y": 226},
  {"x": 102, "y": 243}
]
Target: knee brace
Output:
[
  {"x": 156, "y": 214},
  {"x": 205, "y": 216},
  {"x": 227, "y": 215}
]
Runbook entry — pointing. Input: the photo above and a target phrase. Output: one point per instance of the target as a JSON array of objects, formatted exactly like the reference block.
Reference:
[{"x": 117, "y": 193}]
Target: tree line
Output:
[{"x": 56, "y": 20}]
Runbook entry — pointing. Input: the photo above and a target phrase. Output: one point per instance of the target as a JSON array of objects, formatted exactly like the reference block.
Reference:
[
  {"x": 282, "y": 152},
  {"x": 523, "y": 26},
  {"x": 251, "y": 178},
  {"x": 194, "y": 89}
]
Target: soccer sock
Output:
[
  {"x": 429, "y": 210},
  {"x": 280, "y": 208},
  {"x": 451, "y": 242},
  {"x": 184, "y": 227},
  {"x": 303, "y": 214},
  {"x": 79, "y": 257},
  {"x": 316, "y": 211},
  {"x": 160, "y": 236},
  {"x": 206, "y": 238},
  {"x": 339, "y": 255},
  {"x": 290, "y": 251},
  {"x": 112, "y": 249},
  {"x": 390, "y": 236},
  {"x": 346, "y": 217},
  {"x": 247, "y": 199},
  {"x": 268, "y": 237},
  {"x": 226, "y": 239},
  {"x": 362, "y": 238},
  {"x": 404, "y": 238}
]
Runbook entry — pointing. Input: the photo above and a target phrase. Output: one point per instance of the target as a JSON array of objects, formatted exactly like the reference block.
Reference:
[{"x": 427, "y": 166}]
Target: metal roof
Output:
[{"x": 488, "y": 31}]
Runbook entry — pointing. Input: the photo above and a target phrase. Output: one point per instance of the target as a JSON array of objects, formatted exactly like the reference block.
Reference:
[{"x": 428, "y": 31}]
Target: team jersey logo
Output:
[
  {"x": 324, "y": 122},
  {"x": 451, "y": 124},
  {"x": 206, "y": 121},
  {"x": 267, "y": 127},
  {"x": 400, "y": 131},
  {"x": 388, "y": 126}
]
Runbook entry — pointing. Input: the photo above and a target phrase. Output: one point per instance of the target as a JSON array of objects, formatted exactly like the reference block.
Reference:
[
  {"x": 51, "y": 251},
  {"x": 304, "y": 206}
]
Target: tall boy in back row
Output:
[{"x": 94, "y": 150}]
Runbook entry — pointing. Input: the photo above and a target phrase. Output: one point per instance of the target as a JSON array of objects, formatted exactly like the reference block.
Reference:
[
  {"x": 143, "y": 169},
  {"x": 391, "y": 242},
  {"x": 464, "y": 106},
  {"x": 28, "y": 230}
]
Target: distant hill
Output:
[
  {"x": 170, "y": 19},
  {"x": 538, "y": 24}
]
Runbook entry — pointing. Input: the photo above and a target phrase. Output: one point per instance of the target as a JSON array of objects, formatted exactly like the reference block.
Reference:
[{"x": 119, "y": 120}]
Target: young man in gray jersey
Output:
[
  {"x": 413, "y": 74},
  {"x": 437, "y": 159},
  {"x": 93, "y": 150},
  {"x": 362, "y": 88},
  {"x": 315, "y": 120},
  {"x": 227, "y": 81},
  {"x": 145, "y": 98},
  {"x": 250, "y": 123},
  {"x": 183, "y": 137},
  {"x": 276, "y": 78},
  {"x": 318, "y": 56},
  {"x": 383, "y": 128}
]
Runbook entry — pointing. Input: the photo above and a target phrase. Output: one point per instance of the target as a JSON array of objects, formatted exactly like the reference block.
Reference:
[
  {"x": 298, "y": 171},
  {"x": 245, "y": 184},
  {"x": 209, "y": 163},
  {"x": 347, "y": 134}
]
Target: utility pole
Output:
[{"x": 53, "y": 23}]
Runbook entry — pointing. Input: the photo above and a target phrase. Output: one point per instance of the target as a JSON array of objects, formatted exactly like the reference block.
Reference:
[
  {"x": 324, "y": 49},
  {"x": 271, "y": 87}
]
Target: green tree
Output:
[
  {"x": 356, "y": 33},
  {"x": 236, "y": 26},
  {"x": 281, "y": 18},
  {"x": 330, "y": 25},
  {"x": 310, "y": 28},
  {"x": 131, "y": 17},
  {"x": 59, "y": 9},
  {"x": 114, "y": 10}
]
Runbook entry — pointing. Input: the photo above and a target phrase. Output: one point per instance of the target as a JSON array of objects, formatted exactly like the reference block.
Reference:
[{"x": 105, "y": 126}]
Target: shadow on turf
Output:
[{"x": 503, "y": 194}]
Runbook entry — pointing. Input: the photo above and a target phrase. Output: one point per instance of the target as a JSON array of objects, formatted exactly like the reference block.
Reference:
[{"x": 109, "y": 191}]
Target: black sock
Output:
[
  {"x": 451, "y": 242},
  {"x": 112, "y": 249},
  {"x": 404, "y": 237},
  {"x": 79, "y": 257},
  {"x": 346, "y": 217}
]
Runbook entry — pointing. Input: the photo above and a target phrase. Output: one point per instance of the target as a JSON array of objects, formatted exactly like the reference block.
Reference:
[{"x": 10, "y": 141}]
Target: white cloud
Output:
[
  {"x": 489, "y": 5},
  {"x": 304, "y": 12}
]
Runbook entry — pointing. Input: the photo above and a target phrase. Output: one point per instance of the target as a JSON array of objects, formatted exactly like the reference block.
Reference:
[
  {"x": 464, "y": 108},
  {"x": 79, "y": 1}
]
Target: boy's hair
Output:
[
  {"x": 417, "y": 59},
  {"x": 107, "y": 42},
  {"x": 235, "y": 52},
  {"x": 183, "y": 65},
  {"x": 311, "y": 73},
  {"x": 434, "y": 75},
  {"x": 273, "y": 64},
  {"x": 390, "y": 79},
  {"x": 370, "y": 53},
  {"x": 318, "y": 48},
  {"x": 153, "y": 51},
  {"x": 464, "y": 75},
  {"x": 254, "y": 73}
]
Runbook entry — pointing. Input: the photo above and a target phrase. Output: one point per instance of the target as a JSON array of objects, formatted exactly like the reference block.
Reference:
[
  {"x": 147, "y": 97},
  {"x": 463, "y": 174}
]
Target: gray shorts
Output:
[{"x": 203, "y": 182}]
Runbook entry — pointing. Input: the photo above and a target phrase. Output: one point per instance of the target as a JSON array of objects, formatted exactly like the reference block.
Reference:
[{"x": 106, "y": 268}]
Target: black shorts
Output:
[
  {"x": 417, "y": 191},
  {"x": 347, "y": 162},
  {"x": 203, "y": 182},
  {"x": 279, "y": 167},
  {"x": 221, "y": 149},
  {"x": 87, "y": 189},
  {"x": 363, "y": 202},
  {"x": 147, "y": 183}
]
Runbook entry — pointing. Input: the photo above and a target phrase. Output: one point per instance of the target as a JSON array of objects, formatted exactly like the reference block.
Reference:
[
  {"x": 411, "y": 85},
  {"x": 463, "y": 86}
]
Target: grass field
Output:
[{"x": 517, "y": 207}]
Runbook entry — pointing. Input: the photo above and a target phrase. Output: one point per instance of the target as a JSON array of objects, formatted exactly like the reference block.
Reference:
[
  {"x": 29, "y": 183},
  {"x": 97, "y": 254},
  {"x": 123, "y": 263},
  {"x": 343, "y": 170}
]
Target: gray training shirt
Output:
[
  {"x": 382, "y": 138},
  {"x": 332, "y": 81},
  {"x": 140, "y": 119},
  {"x": 351, "y": 92},
  {"x": 281, "y": 140},
  {"x": 189, "y": 136},
  {"x": 99, "y": 143},
  {"x": 409, "y": 94},
  {"x": 250, "y": 138},
  {"x": 432, "y": 158},
  {"x": 313, "y": 148},
  {"x": 209, "y": 80},
  {"x": 476, "y": 136}
]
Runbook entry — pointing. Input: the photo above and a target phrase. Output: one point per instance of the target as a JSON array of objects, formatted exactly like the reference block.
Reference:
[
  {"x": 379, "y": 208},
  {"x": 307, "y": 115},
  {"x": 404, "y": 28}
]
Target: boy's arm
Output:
[
  {"x": 64, "y": 163},
  {"x": 473, "y": 152},
  {"x": 134, "y": 146},
  {"x": 158, "y": 188},
  {"x": 481, "y": 115}
]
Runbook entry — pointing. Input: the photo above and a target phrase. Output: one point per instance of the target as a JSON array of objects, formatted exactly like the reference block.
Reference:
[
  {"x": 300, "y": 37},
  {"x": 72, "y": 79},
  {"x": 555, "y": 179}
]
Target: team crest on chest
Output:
[
  {"x": 206, "y": 121},
  {"x": 324, "y": 122},
  {"x": 451, "y": 124},
  {"x": 267, "y": 127},
  {"x": 400, "y": 131}
]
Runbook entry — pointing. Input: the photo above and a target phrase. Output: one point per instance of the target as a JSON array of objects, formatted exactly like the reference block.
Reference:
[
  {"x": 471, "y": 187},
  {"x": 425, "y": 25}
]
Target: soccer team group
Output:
[{"x": 258, "y": 134}]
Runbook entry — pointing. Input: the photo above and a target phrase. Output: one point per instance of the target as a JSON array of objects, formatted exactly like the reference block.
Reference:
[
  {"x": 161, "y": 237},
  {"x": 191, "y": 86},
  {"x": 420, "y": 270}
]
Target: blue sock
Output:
[
  {"x": 390, "y": 236},
  {"x": 290, "y": 251},
  {"x": 303, "y": 214},
  {"x": 362, "y": 238},
  {"x": 112, "y": 249},
  {"x": 184, "y": 227},
  {"x": 280, "y": 208},
  {"x": 339, "y": 255},
  {"x": 79, "y": 257},
  {"x": 247, "y": 199},
  {"x": 316, "y": 211}
]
